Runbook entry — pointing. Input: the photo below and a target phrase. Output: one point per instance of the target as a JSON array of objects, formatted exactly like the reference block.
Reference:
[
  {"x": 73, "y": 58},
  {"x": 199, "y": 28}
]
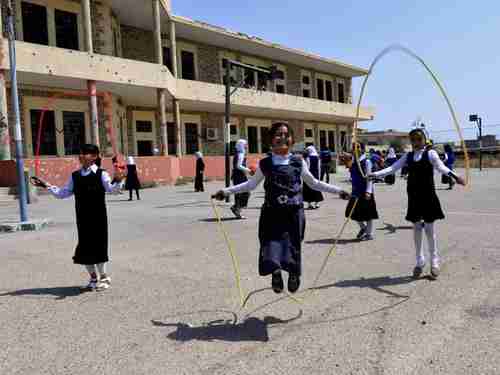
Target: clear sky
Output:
[{"x": 459, "y": 39}]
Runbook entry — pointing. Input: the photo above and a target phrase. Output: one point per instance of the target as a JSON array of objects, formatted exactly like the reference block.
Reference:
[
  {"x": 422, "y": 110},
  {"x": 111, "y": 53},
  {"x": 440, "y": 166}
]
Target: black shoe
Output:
[
  {"x": 293, "y": 283},
  {"x": 236, "y": 212},
  {"x": 277, "y": 282},
  {"x": 417, "y": 272}
]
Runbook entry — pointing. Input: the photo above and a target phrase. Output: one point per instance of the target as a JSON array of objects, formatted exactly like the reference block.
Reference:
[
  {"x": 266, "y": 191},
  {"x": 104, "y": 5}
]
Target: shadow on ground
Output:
[{"x": 58, "y": 292}]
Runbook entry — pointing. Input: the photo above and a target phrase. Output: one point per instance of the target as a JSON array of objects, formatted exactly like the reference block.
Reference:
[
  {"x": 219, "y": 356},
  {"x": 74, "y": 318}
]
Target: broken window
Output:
[
  {"x": 143, "y": 126},
  {"x": 191, "y": 138},
  {"x": 321, "y": 89},
  {"x": 171, "y": 135},
  {"x": 46, "y": 135},
  {"x": 329, "y": 91},
  {"x": 341, "y": 93},
  {"x": 167, "y": 59},
  {"x": 35, "y": 29},
  {"x": 253, "y": 140},
  {"x": 66, "y": 29},
  {"x": 74, "y": 132},
  {"x": 188, "y": 65}
]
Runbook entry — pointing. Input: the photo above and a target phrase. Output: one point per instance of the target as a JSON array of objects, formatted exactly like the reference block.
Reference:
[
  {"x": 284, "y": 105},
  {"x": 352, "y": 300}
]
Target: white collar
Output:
[{"x": 92, "y": 168}]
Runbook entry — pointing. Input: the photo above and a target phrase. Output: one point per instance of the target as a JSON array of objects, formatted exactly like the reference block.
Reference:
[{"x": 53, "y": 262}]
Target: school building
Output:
[{"x": 138, "y": 80}]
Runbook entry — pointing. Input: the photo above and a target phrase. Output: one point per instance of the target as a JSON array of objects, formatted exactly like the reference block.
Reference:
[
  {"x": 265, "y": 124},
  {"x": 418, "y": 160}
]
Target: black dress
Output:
[
  {"x": 239, "y": 177},
  {"x": 198, "y": 181},
  {"x": 311, "y": 195},
  {"x": 91, "y": 218},
  {"x": 282, "y": 221},
  {"x": 423, "y": 202},
  {"x": 365, "y": 209},
  {"x": 132, "y": 182}
]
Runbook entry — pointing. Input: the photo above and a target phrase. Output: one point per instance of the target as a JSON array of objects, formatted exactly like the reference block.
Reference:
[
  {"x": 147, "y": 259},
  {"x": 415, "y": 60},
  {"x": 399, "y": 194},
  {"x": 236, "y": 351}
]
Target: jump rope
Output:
[{"x": 244, "y": 297}]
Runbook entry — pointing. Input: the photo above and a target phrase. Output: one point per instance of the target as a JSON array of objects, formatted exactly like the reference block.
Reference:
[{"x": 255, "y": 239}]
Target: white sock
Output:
[
  {"x": 361, "y": 224},
  {"x": 431, "y": 241},
  {"x": 101, "y": 267},
  {"x": 91, "y": 269},
  {"x": 369, "y": 227},
  {"x": 417, "y": 236}
]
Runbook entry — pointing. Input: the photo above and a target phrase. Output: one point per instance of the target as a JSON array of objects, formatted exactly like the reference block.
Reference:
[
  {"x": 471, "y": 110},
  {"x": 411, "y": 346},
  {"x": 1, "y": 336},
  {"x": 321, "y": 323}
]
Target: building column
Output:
[
  {"x": 91, "y": 85},
  {"x": 4, "y": 120},
  {"x": 175, "y": 103},
  {"x": 161, "y": 93}
]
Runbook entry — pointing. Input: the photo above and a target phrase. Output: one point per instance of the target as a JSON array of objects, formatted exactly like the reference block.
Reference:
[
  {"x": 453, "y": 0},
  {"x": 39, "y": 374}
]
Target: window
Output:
[
  {"x": 329, "y": 91},
  {"x": 322, "y": 139},
  {"x": 188, "y": 65},
  {"x": 280, "y": 89},
  {"x": 253, "y": 141},
  {"x": 233, "y": 73},
  {"x": 309, "y": 133},
  {"x": 74, "y": 132},
  {"x": 343, "y": 141},
  {"x": 280, "y": 81},
  {"x": 249, "y": 78},
  {"x": 143, "y": 126},
  {"x": 306, "y": 84},
  {"x": 321, "y": 89},
  {"x": 191, "y": 138},
  {"x": 341, "y": 92},
  {"x": 167, "y": 58},
  {"x": 35, "y": 29},
  {"x": 233, "y": 130},
  {"x": 265, "y": 141},
  {"x": 262, "y": 79},
  {"x": 331, "y": 140},
  {"x": 172, "y": 144},
  {"x": 280, "y": 74},
  {"x": 66, "y": 29},
  {"x": 48, "y": 144},
  {"x": 145, "y": 148}
]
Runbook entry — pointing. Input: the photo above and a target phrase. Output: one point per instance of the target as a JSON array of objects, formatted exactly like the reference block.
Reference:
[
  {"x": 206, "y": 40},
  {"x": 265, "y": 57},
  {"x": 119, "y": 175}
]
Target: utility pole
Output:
[
  {"x": 479, "y": 122},
  {"x": 18, "y": 138},
  {"x": 270, "y": 74}
]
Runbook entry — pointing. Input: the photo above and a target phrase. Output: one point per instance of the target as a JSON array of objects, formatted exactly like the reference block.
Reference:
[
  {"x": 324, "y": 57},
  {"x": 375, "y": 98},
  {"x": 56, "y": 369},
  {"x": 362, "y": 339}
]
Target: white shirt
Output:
[
  {"x": 307, "y": 177},
  {"x": 417, "y": 155},
  {"x": 67, "y": 190},
  {"x": 369, "y": 167},
  {"x": 239, "y": 163}
]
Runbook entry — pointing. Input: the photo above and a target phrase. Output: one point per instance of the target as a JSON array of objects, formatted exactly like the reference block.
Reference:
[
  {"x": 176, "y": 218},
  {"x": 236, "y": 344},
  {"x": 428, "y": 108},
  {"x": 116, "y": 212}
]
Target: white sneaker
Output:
[{"x": 104, "y": 283}]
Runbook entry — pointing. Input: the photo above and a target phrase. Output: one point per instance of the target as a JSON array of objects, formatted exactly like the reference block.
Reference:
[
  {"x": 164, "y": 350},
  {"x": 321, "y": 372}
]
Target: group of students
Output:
[
  {"x": 285, "y": 176},
  {"x": 282, "y": 220}
]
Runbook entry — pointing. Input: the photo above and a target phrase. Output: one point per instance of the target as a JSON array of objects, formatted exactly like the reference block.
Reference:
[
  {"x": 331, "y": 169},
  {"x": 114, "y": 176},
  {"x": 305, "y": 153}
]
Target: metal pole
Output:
[
  {"x": 18, "y": 138},
  {"x": 227, "y": 121},
  {"x": 480, "y": 125}
]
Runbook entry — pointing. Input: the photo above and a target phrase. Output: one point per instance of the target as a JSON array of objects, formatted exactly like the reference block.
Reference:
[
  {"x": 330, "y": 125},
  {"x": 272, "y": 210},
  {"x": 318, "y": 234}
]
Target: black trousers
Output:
[{"x": 325, "y": 170}]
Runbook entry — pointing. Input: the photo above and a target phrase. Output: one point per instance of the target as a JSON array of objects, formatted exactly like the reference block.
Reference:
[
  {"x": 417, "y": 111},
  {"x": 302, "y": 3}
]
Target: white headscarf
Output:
[
  {"x": 198, "y": 155},
  {"x": 240, "y": 145},
  {"x": 311, "y": 151},
  {"x": 130, "y": 161},
  {"x": 391, "y": 154}
]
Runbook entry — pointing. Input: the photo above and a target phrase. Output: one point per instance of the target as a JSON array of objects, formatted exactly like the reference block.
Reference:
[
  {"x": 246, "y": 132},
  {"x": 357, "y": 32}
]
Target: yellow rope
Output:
[
  {"x": 439, "y": 86},
  {"x": 234, "y": 258}
]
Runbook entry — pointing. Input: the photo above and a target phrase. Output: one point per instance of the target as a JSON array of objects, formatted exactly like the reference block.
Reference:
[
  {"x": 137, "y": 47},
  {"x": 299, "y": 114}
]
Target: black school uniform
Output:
[
  {"x": 198, "y": 181},
  {"x": 423, "y": 202},
  {"x": 91, "y": 218},
  {"x": 282, "y": 220},
  {"x": 311, "y": 195},
  {"x": 365, "y": 210}
]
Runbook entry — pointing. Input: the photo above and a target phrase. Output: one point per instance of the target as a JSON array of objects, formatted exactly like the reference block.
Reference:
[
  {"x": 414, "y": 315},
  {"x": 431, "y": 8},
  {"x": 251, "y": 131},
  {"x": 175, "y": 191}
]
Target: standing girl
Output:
[
  {"x": 240, "y": 175},
  {"x": 423, "y": 203},
  {"x": 200, "y": 168},
  {"x": 390, "y": 160},
  {"x": 133, "y": 182},
  {"x": 89, "y": 185},
  {"x": 311, "y": 196},
  {"x": 361, "y": 207},
  {"x": 449, "y": 161},
  {"x": 282, "y": 219}
]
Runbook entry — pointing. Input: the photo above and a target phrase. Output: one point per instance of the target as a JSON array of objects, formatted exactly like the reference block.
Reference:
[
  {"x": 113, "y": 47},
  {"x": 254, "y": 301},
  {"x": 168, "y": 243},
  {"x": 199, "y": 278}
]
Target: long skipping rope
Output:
[{"x": 236, "y": 268}]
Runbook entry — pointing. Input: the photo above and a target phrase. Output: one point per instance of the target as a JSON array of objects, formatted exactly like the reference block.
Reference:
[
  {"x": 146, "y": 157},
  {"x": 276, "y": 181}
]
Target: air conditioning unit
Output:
[{"x": 212, "y": 134}]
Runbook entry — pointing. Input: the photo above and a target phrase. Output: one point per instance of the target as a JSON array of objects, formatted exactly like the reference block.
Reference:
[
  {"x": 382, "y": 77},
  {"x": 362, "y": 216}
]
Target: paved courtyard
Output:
[{"x": 173, "y": 304}]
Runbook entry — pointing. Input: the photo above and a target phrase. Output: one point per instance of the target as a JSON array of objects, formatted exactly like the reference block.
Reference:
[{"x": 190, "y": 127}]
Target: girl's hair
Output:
[
  {"x": 419, "y": 131},
  {"x": 448, "y": 148},
  {"x": 277, "y": 126},
  {"x": 89, "y": 149}
]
